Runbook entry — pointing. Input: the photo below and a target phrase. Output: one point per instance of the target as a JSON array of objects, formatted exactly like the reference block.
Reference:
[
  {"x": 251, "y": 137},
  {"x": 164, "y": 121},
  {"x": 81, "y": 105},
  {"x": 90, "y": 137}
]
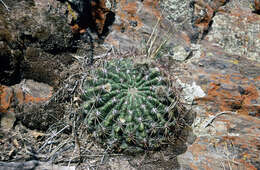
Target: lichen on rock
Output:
[{"x": 129, "y": 107}]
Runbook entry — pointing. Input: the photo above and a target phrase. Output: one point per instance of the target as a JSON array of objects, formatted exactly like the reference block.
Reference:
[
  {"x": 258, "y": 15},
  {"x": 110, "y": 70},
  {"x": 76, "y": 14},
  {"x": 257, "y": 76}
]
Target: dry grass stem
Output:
[
  {"x": 50, "y": 138},
  {"x": 7, "y": 8}
]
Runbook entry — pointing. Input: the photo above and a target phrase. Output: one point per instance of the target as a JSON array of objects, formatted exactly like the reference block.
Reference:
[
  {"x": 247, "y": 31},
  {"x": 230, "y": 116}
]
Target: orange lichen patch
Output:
[
  {"x": 227, "y": 95},
  {"x": 130, "y": 8},
  {"x": 125, "y": 8},
  {"x": 29, "y": 98},
  {"x": 127, "y": 11},
  {"x": 202, "y": 22},
  {"x": 5, "y": 98},
  {"x": 118, "y": 27},
  {"x": 193, "y": 167},
  {"x": 152, "y": 5},
  {"x": 23, "y": 97},
  {"x": 19, "y": 96},
  {"x": 250, "y": 93},
  {"x": 206, "y": 167},
  {"x": 186, "y": 38},
  {"x": 9, "y": 94},
  {"x": 75, "y": 28},
  {"x": 197, "y": 149}
]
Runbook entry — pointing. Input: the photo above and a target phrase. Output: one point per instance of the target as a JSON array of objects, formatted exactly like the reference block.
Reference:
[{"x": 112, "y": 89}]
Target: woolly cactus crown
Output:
[{"x": 128, "y": 107}]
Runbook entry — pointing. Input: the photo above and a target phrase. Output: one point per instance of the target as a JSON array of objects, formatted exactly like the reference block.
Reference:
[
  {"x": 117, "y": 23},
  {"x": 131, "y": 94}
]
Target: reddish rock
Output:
[
  {"x": 204, "y": 12},
  {"x": 227, "y": 74},
  {"x": 226, "y": 86},
  {"x": 231, "y": 140},
  {"x": 135, "y": 21},
  {"x": 233, "y": 143},
  {"x": 22, "y": 97},
  {"x": 229, "y": 78},
  {"x": 26, "y": 92},
  {"x": 5, "y": 98}
]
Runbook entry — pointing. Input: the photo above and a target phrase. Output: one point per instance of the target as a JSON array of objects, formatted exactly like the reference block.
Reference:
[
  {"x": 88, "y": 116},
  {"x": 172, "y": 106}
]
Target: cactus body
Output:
[{"x": 127, "y": 107}]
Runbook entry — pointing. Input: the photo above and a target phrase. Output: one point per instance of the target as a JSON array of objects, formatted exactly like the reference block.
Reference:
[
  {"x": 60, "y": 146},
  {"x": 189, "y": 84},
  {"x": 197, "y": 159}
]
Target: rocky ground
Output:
[{"x": 209, "y": 48}]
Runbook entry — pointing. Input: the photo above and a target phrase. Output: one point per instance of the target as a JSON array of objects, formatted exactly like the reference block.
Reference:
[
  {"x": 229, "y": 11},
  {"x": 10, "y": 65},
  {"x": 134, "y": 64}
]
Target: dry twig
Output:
[
  {"x": 8, "y": 9},
  {"x": 50, "y": 138}
]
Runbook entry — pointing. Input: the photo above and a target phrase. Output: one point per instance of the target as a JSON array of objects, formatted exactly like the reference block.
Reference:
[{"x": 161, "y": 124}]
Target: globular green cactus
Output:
[{"x": 128, "y": 107}]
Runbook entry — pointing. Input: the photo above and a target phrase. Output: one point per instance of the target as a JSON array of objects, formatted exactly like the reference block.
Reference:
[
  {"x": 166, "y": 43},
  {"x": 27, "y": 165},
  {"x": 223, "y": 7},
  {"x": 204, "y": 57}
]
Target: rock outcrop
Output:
[
  {"x": 209, "y": 47},
  {"x": 25, "y": 94},
  {"x": 223, "y": 61}
]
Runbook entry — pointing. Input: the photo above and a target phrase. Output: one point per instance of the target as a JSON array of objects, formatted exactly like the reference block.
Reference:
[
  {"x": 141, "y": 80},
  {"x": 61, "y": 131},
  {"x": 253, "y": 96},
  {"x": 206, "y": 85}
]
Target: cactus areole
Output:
[{"x": 128, "y": 107}]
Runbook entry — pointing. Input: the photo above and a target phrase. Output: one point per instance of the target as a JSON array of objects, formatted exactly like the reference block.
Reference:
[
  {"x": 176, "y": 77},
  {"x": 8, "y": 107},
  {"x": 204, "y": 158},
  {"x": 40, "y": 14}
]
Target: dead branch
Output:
[{"x": 7, "y": 8}]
